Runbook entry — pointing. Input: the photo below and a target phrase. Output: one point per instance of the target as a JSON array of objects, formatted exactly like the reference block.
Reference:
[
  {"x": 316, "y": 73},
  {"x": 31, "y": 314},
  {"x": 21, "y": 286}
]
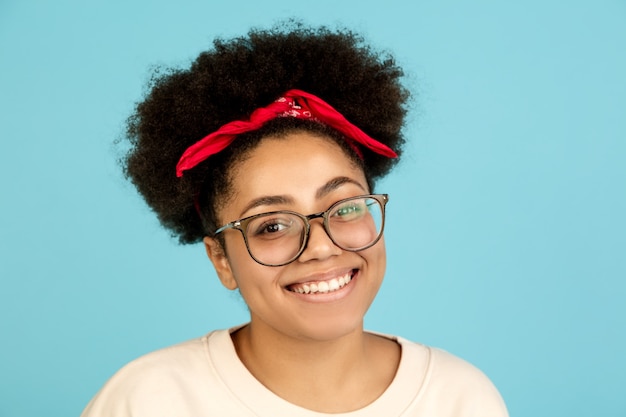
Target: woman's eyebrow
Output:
[
  {"x": 334, "y": 184},
  {"x": 267, "y": 200}
]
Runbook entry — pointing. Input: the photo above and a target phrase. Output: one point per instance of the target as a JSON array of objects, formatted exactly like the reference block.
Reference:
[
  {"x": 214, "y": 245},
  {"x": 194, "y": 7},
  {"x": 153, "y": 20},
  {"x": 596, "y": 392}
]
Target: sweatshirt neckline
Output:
[{"x": 405, "y": 387}]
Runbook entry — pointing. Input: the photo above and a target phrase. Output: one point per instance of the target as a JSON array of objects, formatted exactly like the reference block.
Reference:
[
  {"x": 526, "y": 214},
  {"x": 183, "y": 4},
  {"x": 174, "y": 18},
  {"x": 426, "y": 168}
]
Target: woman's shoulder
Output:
[
  {"x": 176, "y": 358},
  {"x": 151, "y": 378},
  {"x": 449, "y": 385},
  {"x": 440, "y": 364}
]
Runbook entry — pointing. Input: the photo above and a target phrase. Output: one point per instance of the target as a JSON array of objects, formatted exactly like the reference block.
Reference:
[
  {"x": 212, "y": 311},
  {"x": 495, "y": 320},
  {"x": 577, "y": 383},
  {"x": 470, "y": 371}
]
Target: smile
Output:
[{"x": 322, "y": 287}]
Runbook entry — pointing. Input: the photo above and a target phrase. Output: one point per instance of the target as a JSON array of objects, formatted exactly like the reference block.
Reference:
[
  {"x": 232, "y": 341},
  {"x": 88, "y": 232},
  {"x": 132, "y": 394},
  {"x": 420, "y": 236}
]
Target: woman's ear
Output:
[{"x": 218, "y": 257}]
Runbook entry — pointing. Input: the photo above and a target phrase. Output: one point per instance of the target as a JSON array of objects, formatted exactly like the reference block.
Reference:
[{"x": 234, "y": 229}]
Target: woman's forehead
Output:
[{"x": 297, "y": 165}]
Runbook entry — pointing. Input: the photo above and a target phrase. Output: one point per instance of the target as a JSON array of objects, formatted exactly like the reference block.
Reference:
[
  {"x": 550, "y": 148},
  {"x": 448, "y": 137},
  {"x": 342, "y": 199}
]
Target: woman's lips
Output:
[{"x": 322, "y": 287}]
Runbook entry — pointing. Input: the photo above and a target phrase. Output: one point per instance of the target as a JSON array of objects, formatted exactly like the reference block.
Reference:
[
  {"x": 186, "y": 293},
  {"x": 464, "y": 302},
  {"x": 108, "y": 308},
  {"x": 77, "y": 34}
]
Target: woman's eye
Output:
[
  {"x": 272, "y": 227},
  {"x": 349, "y": 211}
]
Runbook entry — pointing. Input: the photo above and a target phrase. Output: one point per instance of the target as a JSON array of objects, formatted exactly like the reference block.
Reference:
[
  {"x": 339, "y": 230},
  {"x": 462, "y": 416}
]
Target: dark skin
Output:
[
  {"x": 339, "y": 376},
  {"x": 310, "y": 350}
]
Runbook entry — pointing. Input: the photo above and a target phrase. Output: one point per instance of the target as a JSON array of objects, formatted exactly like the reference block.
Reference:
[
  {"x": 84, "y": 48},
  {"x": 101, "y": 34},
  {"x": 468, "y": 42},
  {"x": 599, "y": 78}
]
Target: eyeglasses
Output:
[{"x": 279, "y": 237}]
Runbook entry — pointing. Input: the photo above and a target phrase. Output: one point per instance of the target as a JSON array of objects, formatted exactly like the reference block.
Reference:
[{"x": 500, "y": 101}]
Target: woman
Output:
[{"x": 267, "y": 149}]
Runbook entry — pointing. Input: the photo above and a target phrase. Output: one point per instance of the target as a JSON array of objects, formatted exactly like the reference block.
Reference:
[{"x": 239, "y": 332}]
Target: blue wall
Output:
[{"x": 507, "y": 230}]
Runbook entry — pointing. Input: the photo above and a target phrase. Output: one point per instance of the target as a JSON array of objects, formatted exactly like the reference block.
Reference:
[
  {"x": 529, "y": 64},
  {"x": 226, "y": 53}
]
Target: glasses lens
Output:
[
  {"x": 275, "y": 238},
  {"x": 356, "y": 224}
]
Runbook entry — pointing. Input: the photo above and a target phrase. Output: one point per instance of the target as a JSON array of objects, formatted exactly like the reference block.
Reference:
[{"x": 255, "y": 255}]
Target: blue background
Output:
[{"x": 506, "y": 233}]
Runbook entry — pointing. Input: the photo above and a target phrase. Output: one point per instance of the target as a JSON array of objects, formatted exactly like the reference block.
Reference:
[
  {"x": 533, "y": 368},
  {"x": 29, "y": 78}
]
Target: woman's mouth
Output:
[{"x": 322, "y": 287}]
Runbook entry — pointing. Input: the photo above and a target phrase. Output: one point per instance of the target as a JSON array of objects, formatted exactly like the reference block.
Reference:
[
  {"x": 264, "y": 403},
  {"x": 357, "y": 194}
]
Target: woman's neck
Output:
[{"x": 332, "y": 376}]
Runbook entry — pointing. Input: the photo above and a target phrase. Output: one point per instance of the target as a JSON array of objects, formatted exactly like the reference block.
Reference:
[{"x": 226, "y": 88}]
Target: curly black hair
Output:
[{"x": 232, "y": 79}]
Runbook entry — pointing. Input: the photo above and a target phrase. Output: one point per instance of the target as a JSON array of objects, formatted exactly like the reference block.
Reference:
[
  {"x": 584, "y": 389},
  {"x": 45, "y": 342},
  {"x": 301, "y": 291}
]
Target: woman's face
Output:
[{"x": 304, "y": 173}]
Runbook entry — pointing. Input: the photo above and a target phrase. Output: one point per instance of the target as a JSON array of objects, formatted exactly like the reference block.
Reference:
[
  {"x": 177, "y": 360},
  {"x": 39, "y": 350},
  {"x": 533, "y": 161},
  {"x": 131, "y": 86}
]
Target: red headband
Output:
[{"x": 294, "y": 103}]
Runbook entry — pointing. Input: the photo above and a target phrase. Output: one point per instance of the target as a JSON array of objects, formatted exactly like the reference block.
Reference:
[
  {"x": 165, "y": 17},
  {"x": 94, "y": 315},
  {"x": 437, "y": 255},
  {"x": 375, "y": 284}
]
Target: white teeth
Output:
[{"x": 323, "y": 286}]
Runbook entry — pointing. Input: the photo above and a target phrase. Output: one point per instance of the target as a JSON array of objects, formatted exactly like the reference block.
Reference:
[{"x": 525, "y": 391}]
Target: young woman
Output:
[{"x": 267, "y": 150}]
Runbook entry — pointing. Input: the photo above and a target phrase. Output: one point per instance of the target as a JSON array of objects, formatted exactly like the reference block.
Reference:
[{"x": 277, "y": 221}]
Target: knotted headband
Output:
[{"x": 294, "y": 103}]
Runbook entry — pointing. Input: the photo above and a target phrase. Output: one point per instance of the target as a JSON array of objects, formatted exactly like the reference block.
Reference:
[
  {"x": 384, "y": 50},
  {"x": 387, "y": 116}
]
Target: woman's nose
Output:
[{"x": 319, "y": 245}]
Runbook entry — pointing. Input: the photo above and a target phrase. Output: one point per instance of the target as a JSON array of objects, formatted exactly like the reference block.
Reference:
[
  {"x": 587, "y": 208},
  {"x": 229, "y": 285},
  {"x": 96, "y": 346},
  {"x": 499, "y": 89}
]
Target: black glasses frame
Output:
[{"x": 242, "y": 225}]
